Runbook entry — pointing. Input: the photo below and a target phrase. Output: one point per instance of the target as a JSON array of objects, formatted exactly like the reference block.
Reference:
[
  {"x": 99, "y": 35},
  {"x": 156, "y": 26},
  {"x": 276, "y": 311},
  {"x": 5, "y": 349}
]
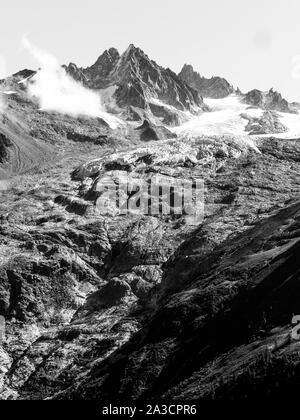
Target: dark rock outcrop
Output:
[
  {"x": 5, "y": 143},
  {"x": 268, "y": 123},
  {"x": 100, "y": 73},
  {"x": 215, "y": 87},
  {"x": 149, "y": 131},
  {"x": 271, "y": 100}
]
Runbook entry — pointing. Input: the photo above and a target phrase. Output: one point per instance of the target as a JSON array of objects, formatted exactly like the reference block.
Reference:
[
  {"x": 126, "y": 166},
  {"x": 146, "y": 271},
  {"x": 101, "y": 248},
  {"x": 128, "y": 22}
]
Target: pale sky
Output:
[{"x": 254, "y": 44}]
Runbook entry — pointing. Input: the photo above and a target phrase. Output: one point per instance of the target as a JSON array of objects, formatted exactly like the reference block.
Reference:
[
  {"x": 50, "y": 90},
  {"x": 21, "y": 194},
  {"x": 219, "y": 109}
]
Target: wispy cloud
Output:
[{"x": 57, "y": 91}]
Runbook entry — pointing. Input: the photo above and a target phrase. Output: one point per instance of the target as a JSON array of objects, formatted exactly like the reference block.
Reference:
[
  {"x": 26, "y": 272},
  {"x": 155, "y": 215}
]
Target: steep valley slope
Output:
[{"x": 105, "y": 306}]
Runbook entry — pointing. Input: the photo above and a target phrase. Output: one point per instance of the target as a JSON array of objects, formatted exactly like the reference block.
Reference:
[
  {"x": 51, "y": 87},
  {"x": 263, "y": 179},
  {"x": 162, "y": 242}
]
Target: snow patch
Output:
[
  {"x": 292, "y": 122},
  {"x": 8, "y": 92},
  {"x": 224, "y": 118},
  {"x": 25, "y": 80}
]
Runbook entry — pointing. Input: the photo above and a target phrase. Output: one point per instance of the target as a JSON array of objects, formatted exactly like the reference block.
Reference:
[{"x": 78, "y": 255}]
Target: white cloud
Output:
[{"x": 57, "y": 91}]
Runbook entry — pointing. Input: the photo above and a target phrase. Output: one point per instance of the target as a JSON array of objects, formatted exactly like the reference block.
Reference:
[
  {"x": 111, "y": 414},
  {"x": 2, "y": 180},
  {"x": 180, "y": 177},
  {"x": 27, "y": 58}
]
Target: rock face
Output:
[
  {"x": 108, "y": 304},
  {"x": 5, "y": 143},
  {"x": 76, "y": 73},
  {"x": 149, "y": 131},
  {"x": 20, "y": 76},
  {"x": 231, "y": 318},
  {"x": 221, "y": 317},
  {"x": 268, "y": 123},
  {"x": 271, "y": 100},
  {"x": 99, "y": 74},
  {"x": 140, "y": 82},
  {"x": 215, "y": 87}
]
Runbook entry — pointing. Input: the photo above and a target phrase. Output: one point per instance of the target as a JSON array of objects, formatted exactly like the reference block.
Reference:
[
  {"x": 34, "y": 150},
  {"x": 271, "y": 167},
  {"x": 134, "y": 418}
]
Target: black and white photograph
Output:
[{"x": 149, "y": 204}]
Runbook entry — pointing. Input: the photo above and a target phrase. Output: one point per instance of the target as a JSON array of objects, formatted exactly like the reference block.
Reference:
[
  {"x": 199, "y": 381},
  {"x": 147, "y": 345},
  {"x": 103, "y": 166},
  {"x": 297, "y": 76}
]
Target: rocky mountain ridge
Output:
[
  {"x": 140, "y": 83},
  {"x": 145, "y": 88},
  {"x": 271, "y": 100},
  {"x": 215, "y": 87}
]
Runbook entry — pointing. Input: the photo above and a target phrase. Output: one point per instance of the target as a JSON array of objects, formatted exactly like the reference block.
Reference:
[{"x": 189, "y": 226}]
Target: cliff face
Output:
[
  {"x": 271, "y": 100},
  {"x": 99, "y": 75},
  {"x": 268, "y": 123},
  {"x": 215, "y": 87},
  {"x": 5, "y": 143}
]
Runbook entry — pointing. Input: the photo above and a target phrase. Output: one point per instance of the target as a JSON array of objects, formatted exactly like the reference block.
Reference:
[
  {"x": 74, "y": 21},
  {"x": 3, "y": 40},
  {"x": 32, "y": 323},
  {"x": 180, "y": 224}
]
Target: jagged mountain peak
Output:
[
  {"x": 109, "y": 55},
  {"x": 99, "y": 72},
  {"x": 132, "y": 49},
  {"x": 112, "y": 51},
  {"x": 187, "y": 68},
  {"x": 139, "y": 81},
  {"x": 76, "y": 72},
  {"x": 134, "y": 58},
  {"x": 269, "y": 100},
  {"x": 136, "y": 51}
]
